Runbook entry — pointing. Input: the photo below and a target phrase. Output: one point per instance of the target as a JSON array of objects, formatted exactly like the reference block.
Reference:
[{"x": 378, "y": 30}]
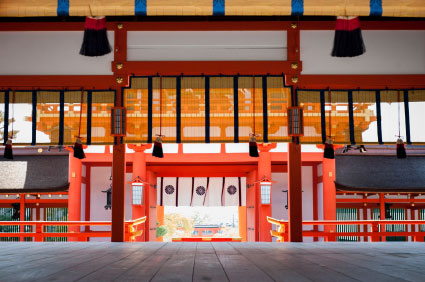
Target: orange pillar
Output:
[
  {"x": 295, "y": 216},
  {"x": 22, "y": 213},
  {"x": 329, "y": 195},
  {"x": 139, "y": 170},
  {"x": 251, "y": 207},
  {"x": 160, "y": 219},
  {"x": 264, "y": 171},
  {"x": 150, "y": 207},
  {"x": 74, "y": 194},
  {"x": 118, "y": 192},
  {"x": 382, "y": 213},
  {"x": 38, "y": 228},
  {"x": 315, "y": 201},
  {"x": 242, "y": 223}
]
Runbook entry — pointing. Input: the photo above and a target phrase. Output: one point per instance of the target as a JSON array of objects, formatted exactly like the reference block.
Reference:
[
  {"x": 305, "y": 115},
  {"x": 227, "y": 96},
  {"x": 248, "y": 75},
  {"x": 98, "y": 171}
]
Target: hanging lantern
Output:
[
  {"x": 329, "y": 152},
  {"x": 253, "y": 148},
  {"x": 108, "y": 198},
  {"x": 295, "y": 122},
  {"x": 118, "y": 122},
  {"x": 8, "y": 152},
  {"x": 401, "y": 150},
  {"x": 266, "y": 190},
  {"x": 137, "y": 191}
]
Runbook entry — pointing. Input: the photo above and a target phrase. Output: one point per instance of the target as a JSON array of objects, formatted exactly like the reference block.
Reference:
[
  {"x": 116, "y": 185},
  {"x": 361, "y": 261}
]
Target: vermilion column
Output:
[
  {"x": 382, "y": 214},
  {"x": 150, "y": 207},
  {"x": 74, "y": 193},
  {"x": 118, "y": 193},
  {"x": 139, "y": 170},
  {"x": 264, "y": 171},
  {"x": 295, "y": 216},
  {"x": 329, "y": 195},
  {"x": 22, "y": 213}
]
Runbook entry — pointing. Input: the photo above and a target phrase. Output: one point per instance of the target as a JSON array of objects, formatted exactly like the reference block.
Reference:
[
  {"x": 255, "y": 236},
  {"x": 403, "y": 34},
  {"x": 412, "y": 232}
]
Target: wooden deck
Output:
[{"x": 221, "y": 261}]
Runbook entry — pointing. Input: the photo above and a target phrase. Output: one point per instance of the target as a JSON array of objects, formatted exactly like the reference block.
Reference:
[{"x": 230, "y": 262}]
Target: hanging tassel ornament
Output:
[
  {"x": 8, "y": 152},
  {"x": 78, "y": 145},
  {"x": 329, "y": 152},
  {"x": 157, "y": 147},
  {"x": 348, "y": 40},
  {"x": 95, "y": 42},
  {"x": 253, "y": 148},
  {"x": 401, "y": 150},
  {"x": 78, "y": 149}
]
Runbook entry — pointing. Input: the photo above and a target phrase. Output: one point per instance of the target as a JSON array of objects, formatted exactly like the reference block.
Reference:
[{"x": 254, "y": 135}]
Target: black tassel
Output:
[
  {"x": 253, "y": 148},
  {"x": 95, "y": 42},
  {"x": 401, "y": 150},
  {"x": 157, "y": 148},
  {"x": 329, "y": 152},
  {"x": 348, "y": 40},
  {"x": 8, "y": 152},
  {"x": 78, "y": 150}
]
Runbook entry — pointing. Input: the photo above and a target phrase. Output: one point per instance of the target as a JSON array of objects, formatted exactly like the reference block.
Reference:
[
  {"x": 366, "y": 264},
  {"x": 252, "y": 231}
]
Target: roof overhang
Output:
[{"x": 52, "y": 8}]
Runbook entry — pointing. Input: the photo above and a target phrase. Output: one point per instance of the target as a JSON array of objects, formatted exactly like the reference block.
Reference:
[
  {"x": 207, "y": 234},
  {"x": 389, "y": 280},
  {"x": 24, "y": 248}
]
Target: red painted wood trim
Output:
[
  {"x": 206, "y": 67},
  {"x": 209, "y": 25},
  {"x": 101, "y": 82},
  {"x": 362, "y": 81}
]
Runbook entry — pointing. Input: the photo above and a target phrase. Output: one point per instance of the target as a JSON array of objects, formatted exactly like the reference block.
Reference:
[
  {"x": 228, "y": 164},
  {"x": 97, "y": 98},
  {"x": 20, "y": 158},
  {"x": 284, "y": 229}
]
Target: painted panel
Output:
[
  {"x": 50, "y": 53},
  {"x": 206, "y": 45},
  {"x": 387, "y": 52}
]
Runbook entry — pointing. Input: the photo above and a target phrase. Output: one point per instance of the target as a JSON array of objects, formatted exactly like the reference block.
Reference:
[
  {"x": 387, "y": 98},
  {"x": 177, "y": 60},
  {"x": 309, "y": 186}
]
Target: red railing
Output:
[
  {"x": 74, "y": 227},
  {"x": 373, "y": 229}
]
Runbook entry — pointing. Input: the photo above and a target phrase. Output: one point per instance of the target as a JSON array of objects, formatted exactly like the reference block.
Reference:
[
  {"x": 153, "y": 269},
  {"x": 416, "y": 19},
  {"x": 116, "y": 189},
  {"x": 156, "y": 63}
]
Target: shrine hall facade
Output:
[{"x": 247, "y": 103}]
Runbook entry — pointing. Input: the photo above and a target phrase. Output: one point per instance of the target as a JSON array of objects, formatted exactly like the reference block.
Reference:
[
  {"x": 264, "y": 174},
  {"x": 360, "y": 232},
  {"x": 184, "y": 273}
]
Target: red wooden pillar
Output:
[
  {"x": 382, "y": 214},
  {"x": 365, "y": 226},
  {"x": 74, "y": 194},
  {"x": 88, "y": 198},
  {"x": 315, "y": 200},
  {"x": 150, "y": 207},
  {"x": 118, "y": 155},
  {"x": 37, "y": 228},
  {"x": 295, "y": 215},
  {"x": 329, "y": 196},
  {"x": 251, "y": 207},
  {"x": 139, "y": 170},
  {"x": 264, "y": 171},
  {"x": 22, "y": 213}
]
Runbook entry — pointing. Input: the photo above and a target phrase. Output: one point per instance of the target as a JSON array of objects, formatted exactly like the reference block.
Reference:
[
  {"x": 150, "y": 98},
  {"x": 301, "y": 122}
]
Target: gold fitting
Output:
[
  {"x": 37, "y": 204},
  {"x": 119, "y": 79},
  {"x": 40, "y": 150},
  {"x": 413, "y": 204},
  {"x": 294, "y": 79},
  {"x": 294, "y": 66},
  {"x": 120, "y": 26},
  {"x": 294, "y": 25},
  {"x": 365, "y": 204},
  {"x": 119, "y": 66}
]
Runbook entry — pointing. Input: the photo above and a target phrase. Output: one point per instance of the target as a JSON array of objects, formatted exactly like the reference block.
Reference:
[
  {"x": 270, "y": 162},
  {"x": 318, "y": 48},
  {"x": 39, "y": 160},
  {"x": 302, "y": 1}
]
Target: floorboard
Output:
[{"x": 212, "y": 261}]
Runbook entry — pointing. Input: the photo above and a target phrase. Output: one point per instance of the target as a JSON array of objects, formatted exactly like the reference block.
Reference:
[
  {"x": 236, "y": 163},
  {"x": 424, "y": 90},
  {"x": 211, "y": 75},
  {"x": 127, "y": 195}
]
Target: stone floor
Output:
[{"x": 212, "y": 262}]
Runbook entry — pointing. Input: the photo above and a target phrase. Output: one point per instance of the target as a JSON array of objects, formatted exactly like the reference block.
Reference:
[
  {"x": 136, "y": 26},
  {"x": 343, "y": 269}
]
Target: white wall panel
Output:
[
  {"x": 99, "y": 181},
  {"x": 206, "y": 45},
  {"x": 50, "y": 53},
  {"x": 387, "y": 52}
]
